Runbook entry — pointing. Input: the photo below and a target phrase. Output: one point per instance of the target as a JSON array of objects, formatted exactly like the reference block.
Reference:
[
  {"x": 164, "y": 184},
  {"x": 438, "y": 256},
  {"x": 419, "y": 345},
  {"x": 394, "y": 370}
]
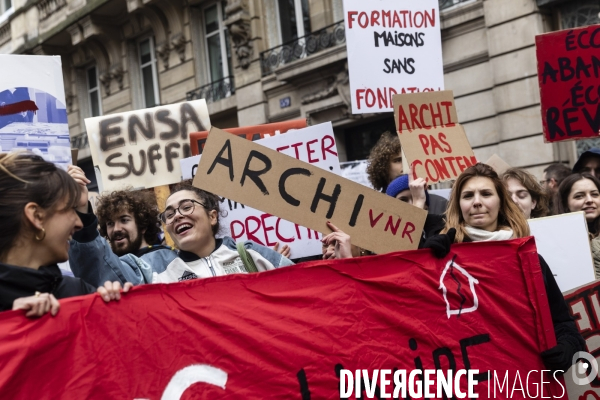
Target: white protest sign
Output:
[
  {"x": 142, "y": 148},
  {"x": 188, "y": 167},
  {"x": 564, "y": 243},
  {"x": 315, "y": 145},
  {"x": 33, "y": 114},
  {"x": 394, "y": 47}
]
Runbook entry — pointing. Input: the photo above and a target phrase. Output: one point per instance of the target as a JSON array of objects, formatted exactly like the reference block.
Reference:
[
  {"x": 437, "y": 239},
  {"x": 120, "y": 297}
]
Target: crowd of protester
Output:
[{"x": 48, "y": 219}]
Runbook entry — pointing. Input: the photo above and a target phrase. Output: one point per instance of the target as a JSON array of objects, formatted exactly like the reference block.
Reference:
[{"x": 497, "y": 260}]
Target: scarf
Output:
[{"x": 480, "y": 235}]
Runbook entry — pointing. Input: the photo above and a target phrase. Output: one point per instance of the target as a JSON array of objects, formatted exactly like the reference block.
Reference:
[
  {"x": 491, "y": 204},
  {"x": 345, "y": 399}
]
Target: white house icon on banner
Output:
[{"x": 464, "y": 296}]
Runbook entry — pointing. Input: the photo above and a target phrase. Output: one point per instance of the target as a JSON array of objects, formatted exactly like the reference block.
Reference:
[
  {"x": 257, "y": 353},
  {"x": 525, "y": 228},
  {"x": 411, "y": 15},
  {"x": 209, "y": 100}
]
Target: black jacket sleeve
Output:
[{"x": 567, "y": 334}]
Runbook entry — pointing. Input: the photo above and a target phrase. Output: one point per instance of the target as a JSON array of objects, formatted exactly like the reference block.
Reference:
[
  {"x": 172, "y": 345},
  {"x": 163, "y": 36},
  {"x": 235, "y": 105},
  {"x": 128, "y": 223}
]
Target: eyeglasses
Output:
[{"x": 186, "y": 207}]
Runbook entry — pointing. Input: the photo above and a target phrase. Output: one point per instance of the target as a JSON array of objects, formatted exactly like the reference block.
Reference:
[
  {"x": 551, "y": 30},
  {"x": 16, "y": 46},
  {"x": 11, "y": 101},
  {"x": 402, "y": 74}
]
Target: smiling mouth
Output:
[{"x": 183, "y": 228}]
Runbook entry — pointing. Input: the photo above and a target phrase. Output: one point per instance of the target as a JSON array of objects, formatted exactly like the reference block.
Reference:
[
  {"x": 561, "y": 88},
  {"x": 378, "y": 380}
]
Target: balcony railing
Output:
[
  {"x": 449, "y": 3},
  {"x": 80, "y": 141},
  {"x": 214, "y": 91},
  {"x": 303, "y": 47}
]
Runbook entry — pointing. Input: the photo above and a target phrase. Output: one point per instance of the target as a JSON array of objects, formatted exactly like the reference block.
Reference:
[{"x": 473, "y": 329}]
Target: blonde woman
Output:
[{"x": 480, "y": 209}]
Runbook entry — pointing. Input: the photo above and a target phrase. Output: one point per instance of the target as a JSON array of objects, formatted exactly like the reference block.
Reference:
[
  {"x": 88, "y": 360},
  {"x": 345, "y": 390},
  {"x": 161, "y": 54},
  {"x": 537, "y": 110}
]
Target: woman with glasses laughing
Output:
[{"x": 191, "y": 218}]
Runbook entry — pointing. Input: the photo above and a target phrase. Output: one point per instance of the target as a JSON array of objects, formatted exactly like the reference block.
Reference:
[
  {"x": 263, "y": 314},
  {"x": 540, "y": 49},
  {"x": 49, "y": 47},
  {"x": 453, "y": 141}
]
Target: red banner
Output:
[
  {"x": 287, "y": 333},
  {"x": 584, "y": 304},
  {"x": 568, "y": 71}
]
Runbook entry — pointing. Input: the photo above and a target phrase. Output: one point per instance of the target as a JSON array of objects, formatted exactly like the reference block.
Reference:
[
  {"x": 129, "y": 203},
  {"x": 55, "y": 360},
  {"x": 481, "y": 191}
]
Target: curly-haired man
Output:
[
  {"x": 129, "y": 221},
  {"x": 128, "y": 226}
]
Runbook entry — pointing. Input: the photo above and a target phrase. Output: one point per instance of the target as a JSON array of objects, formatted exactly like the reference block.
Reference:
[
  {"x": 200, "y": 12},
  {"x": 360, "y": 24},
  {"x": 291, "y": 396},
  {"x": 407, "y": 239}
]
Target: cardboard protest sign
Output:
[
  {"x": 288, "y": 333},
  {"x": 255, "y": 132},
  {"x": 258, "y": 177},
  {"x": 564, "y": 243},
  {"x": 424, "y": 110},
  {"x": 142, "y": 148},
  {"x": 33, "y": 113},
  {"x": 432, "y": 140},
  {"x": 439, "y": 154},
  {"x": 584, "y": 305},
  {"x": 393, "y": 47},
  {"x": 315, "y": 145},
  {"x": 498, "y": 164},
  {"x": 568, "y": 71}
]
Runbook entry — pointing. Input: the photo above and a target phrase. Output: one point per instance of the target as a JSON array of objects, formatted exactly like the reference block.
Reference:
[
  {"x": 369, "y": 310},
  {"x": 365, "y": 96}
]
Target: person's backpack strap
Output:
[{"x": 246, "y": 259}]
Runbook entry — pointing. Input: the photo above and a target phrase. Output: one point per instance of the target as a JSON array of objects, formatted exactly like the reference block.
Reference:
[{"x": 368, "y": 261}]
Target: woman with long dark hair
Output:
[
  {"x": 480, "y": 209},
  {"x": 581, "y": 192},
  {"x": 37, "y": 210}
]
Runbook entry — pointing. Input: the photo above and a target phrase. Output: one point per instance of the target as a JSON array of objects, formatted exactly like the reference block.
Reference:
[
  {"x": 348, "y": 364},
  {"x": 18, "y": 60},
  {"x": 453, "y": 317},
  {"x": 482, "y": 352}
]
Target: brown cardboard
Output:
[
  {"x": 414, "y": 110},
  {"x": 499, "y": 165},
  {"x": 439, "y": 154},
  {"x": 74, "y": 154},
  {"x": 288, "y": 189}
]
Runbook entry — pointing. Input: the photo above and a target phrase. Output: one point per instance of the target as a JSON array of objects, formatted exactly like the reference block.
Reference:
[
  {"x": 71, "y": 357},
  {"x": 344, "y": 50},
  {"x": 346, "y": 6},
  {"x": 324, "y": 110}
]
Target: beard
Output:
[{"x": 128, "y": 247}]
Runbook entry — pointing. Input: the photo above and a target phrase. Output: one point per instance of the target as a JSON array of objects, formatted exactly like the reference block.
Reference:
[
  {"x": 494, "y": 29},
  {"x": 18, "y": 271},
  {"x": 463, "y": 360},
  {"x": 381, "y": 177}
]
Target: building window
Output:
[
  {"x": 6, "y": 9},
  {"x": 93, "y": 89},
  {"x": 217, "y": 42},
  {"x": 294, "y": 19},
  {"x": 149, "y": 76}
]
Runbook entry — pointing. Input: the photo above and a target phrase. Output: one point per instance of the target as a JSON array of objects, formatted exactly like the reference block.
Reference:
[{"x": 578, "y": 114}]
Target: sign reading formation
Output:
[
  {"x": 433, "y": 141},
  {"x": 251, "y": 174},
  {"x": 144, "y": 146},
  {"x": 569, "y": 73},
  {"x": 314, "y": 145},
  {"x": 289, "y": 333},
  {"x": 393, "y": 47}
]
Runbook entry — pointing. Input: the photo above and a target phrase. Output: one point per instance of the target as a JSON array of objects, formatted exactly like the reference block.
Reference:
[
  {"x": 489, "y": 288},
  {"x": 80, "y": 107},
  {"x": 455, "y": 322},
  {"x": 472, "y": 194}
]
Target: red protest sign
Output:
[
  {"x": 287, "y": 333},
  {"x": 253, "y": 132},
  {"x": 584, "y": 305},
  {"x": 568, "y": 72}
]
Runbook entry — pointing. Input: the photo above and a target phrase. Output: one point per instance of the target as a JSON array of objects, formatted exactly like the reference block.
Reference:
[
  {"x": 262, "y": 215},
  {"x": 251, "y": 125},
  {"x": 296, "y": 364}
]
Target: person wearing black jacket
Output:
[
  {"x": 480, "y": 209},
  {"x": 37, "y": 210}
]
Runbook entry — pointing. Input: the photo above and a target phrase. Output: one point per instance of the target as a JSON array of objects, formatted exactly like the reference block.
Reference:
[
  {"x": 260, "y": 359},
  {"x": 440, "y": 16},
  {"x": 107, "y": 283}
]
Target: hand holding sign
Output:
[
  {"x": 417, "y": 186},
  {"x": 79, "y": 176},
  {"x": 340, "y": 241}
]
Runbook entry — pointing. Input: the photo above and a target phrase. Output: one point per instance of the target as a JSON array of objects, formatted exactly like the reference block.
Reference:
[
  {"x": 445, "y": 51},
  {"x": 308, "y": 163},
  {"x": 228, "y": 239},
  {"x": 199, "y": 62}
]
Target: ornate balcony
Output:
[
  {"x": 303, "y": 47},
  {"x": 214, "y": 91}
]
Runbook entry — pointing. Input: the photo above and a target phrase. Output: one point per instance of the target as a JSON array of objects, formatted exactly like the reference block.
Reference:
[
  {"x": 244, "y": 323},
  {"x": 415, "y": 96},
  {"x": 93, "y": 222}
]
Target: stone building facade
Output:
[{"x": 259, "y": 61}]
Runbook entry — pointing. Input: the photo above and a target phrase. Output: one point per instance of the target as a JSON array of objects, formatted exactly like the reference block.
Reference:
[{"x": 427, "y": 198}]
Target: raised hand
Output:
[
  {"x": 341, "y": 242},
  {"x": 417, "y": 187},
  {"x": 79, "y": 176}
]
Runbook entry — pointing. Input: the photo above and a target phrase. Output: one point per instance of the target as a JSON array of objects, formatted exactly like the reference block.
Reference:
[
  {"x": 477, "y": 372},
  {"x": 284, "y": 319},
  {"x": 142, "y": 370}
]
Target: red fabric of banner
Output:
[{"x": 283, "y": 334}]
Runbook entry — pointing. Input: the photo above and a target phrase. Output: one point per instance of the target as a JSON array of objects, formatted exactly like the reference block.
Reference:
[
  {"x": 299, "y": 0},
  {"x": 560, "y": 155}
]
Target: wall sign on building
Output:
[{"x": 393, "y": 47}]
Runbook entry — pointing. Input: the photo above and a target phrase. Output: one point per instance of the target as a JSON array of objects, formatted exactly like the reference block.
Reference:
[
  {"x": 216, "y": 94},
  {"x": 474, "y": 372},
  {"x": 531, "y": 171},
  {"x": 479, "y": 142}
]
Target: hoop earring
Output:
[{"x": 43, "y": 235}]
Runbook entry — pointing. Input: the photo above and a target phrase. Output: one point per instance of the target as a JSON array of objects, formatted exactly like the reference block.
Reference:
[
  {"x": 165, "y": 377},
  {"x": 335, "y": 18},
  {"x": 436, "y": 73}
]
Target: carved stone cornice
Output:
[
  {"x": 238, "y": 23},
  {"x": 48, "y": 7}
]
